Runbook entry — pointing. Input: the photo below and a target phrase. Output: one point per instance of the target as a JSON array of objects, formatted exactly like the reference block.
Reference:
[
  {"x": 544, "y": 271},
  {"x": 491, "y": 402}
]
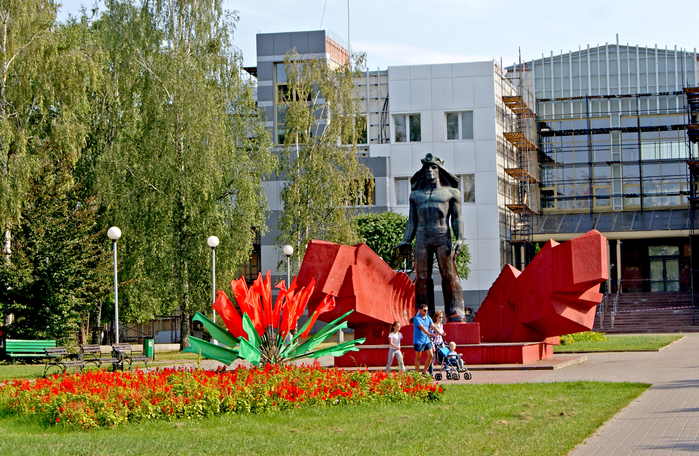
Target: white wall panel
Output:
[
  {"x": 489, "y": 257},
  {"x": 469, "y": 215},
  {"x": 420, "y": 95},
  {"x": 485, "y": 156},
  {"x": 445, "y": 151},
  {"x": 487, "y": 277},
  {"x": 462, "y": 90},
  {"x": 484, "y": 124},
  {"x": 399, "y": 99},
  {"x": 465, "y": 157},
  {"x": 488, "y": 224},
  {"x": 399, "y": 73},
  {"x": 442, "y": 96},
  {"x": 484, "y": 92},
  {"x": 462, "y": 70},
  {"x": 420, "y": 72},
  {"x": 380, "y": 150}
]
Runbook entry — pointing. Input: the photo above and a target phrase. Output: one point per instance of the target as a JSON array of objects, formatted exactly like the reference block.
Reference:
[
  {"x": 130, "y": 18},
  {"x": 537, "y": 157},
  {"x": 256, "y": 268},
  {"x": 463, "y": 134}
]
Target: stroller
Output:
[{"x": 451, "y": 365}]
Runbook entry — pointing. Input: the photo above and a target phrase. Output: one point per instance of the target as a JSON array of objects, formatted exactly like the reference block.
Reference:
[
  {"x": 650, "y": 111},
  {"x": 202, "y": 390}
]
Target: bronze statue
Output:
[{"x": 435, "y": 207}]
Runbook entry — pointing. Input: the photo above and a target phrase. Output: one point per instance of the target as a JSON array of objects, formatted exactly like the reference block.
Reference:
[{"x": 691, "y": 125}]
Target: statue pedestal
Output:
[{"x": 374, "y": 352}]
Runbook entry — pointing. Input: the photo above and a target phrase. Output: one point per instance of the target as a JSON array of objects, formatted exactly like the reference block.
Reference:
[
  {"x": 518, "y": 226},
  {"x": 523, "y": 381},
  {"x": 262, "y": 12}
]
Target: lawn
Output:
[
  {"x": 620, "y": 342},
  {"x": 520, "y": 419}
]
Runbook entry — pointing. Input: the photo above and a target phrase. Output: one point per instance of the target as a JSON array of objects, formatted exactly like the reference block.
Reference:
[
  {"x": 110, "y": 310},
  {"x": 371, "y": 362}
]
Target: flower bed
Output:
[{"x": 97, "y": 399}]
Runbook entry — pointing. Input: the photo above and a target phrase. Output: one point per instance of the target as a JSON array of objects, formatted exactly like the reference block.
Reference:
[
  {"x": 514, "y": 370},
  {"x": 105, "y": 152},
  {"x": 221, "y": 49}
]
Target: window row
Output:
[
  {"x": 657, "y": 193},
  {"x": 408, "y": 127}
]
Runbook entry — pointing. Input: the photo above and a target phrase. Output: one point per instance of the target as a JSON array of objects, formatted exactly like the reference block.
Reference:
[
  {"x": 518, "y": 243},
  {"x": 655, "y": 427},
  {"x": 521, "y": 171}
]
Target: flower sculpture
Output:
[{"x": 263, "y": 333}]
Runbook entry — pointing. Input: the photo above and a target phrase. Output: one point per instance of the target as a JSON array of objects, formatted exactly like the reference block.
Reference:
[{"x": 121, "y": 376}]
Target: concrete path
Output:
[{"x": 662, "y": 421}]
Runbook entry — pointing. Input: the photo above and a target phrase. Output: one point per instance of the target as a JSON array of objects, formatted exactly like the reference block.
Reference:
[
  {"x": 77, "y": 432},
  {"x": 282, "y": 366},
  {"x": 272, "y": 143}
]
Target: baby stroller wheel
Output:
[
  {"x": 455, "y": 376},
  {"x": 438, "y": 377},
  {"x": 448, "y": 376},
  {"x": 468, "y": 376}
]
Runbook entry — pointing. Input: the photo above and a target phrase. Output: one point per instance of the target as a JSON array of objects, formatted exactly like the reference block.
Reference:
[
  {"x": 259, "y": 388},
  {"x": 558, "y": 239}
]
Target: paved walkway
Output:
[{"x": 662, "y": 421}]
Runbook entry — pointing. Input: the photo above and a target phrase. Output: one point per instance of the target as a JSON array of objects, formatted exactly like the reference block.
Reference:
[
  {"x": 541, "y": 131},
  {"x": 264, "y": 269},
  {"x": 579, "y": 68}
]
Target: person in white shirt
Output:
[{"x": 394, "y": 347}]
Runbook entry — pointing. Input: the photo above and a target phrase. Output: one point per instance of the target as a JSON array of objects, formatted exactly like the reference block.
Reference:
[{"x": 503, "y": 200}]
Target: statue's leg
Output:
[
  {"x": 429, "y": 281},
  {"x": 451, "y": 285},
  {"x": 421, "y": 274}
]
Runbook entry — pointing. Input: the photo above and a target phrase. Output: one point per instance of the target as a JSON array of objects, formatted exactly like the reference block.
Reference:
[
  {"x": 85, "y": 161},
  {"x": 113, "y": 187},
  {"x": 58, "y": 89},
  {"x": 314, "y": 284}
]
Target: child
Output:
[
  {"x": 455, "y": 358},
  {"x": 394, "y": 347}
]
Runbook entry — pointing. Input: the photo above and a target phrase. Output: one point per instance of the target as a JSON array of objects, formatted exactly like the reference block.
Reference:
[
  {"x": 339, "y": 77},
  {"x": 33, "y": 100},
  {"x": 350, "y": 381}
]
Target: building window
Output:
[
  {"x": 459, "y": 125},
  {"x": 402, "y": 190},
  {"x": 282, "y": 93},
  {"x": 366, "y": 195},
  {"x": 252, "y": 268},
  {"x": 407, "y": 127},
  {"x": 467, "y": 182}
]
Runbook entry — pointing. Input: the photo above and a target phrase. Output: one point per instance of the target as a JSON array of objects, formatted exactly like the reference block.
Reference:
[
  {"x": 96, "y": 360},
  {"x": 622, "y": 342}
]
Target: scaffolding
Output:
[
  {"x": 692, "y": 130},
  {"x": 521, "y": 166},
  {"x": 373, "y": 94}
]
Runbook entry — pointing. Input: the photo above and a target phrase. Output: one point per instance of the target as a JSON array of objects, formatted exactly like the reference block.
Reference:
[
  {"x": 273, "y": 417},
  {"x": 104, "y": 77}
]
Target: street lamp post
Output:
[
  {"x": 212, "y": 241},
  {"x": 288, "y": 251},
  {"x": 114, "y": 234}
]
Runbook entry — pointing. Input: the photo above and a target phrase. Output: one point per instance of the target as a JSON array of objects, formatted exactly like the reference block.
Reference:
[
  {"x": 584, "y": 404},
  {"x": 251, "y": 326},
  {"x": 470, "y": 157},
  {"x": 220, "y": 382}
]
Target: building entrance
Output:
[{"x": 664, "y": 268}]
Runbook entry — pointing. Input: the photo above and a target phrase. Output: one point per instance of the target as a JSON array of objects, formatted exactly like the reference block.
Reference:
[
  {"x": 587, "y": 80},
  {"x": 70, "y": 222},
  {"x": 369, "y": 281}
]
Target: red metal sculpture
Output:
[
  {"x": 360, "y": 280},
  {"x": 556, "y": 294}
]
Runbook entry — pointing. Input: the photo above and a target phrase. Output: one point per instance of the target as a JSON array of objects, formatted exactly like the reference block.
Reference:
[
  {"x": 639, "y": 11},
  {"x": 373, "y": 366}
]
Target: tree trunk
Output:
[
  {"x": 96, "y": 328},
  {"x": 185, "y": 327}
]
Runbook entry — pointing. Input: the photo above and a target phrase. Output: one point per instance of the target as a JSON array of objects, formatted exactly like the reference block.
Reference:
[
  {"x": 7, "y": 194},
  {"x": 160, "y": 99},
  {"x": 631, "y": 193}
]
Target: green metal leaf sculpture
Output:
[{"x": 265, "y": 334}]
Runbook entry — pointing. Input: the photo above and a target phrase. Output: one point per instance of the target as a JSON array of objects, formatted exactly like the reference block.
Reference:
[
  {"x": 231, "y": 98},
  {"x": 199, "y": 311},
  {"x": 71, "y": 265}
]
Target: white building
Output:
[{"x": 593, "y": 138}]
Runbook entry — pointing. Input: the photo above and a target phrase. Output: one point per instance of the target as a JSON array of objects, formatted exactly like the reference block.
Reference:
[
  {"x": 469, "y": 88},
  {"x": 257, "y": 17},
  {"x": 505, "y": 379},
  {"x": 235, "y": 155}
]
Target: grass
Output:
[
  {"x": 620, "y": 342},
  {"x": 520, "y": 419}
]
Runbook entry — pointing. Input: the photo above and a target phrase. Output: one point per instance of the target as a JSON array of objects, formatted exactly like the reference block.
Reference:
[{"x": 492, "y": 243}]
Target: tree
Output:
[
  {"x": 188, "y": 155},
  {"x": 325, "y": 182},
  {"x": 383, "y": 231},
  {"x": 60, "y": 267},
  {"x": 47, "y": 77}
]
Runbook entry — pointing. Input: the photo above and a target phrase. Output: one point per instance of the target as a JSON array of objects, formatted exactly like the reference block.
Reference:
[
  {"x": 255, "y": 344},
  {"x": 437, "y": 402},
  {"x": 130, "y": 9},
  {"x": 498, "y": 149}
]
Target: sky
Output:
[{"x": 409, "y": 32}]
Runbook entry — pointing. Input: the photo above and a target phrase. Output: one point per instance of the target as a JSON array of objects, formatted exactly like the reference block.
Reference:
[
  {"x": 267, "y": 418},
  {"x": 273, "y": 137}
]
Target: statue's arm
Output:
[
  {"x": 456, "y": 223},
  {"x": 410, "y": 226}
]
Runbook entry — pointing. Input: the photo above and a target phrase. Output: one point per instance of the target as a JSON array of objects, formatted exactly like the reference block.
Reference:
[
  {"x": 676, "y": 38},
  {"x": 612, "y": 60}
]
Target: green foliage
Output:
[
  {"x": 60, "y": 266},
  {"x": 186, "y": 152},
  {"x": 587, "y": 336},
  {"x": 463, "y": 260},
  {"x": 325, "y": 182},
  {"x": 382, "y": 232}
]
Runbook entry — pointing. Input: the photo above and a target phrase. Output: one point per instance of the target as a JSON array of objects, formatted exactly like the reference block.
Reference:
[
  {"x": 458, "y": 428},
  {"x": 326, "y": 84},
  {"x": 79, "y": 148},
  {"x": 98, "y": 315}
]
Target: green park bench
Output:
[
  {"x": 27, "y": 349},
  {"x": 123, "y": 352},
  {"x": 59, "y": 357}
]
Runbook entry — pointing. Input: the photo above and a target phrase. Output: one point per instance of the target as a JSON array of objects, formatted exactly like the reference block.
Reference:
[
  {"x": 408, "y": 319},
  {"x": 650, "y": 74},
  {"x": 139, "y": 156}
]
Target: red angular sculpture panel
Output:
[
  {"x": 556, "y": 294},
  {"x": 361, "y": 281}
]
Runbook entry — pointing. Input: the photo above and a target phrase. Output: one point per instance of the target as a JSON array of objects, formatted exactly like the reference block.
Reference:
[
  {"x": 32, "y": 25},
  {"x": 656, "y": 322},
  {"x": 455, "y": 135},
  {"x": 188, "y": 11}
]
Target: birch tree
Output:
[
  {"x": 188, "y": 157},
  {"x": 47, "y": 77},
  {"x": 325, "y": 183}
]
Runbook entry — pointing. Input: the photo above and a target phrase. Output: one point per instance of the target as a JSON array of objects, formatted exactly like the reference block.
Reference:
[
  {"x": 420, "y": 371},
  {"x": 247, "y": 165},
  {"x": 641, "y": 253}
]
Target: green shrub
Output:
[{"x": 587, "y": 336}]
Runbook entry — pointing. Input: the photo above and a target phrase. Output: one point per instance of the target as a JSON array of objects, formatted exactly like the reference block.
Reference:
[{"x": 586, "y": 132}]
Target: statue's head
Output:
[{"x": 446, "y": 179}]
